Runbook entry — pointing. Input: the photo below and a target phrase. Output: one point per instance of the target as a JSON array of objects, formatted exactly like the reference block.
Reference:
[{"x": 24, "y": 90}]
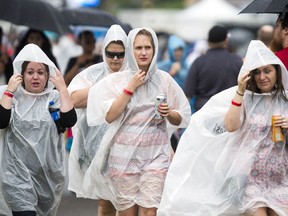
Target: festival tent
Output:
[{"x": 195, "y": 21}]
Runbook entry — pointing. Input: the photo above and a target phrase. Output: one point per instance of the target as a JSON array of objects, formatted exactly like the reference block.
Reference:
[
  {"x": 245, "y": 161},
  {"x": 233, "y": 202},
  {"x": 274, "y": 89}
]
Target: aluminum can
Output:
[
  {"x": 277, "y": 134},
  {"x": 161, "y": 98}
]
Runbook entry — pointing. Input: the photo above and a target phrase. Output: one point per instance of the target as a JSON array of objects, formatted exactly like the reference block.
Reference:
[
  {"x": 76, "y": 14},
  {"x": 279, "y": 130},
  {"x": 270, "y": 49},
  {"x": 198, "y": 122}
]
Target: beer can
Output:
[
  {"x": 161, "y": 98},
  {"x": 277, "y": 134}
]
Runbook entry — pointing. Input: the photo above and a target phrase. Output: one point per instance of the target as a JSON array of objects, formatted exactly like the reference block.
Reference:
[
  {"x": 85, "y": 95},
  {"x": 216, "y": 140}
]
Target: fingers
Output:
[
  {"x": 14, "y": 82},
  {"x": 164, "y": 109},
  {"x": 284, "y": 123}
]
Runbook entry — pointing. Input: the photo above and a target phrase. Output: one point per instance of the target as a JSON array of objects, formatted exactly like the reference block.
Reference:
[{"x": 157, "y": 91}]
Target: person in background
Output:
[
  {"x": 6, "y": 67},
  {"x": 87, "y": 139},
  {"x": 265, "y": 34},
  {"x": 39, "y": 38},
  {"x": 214, "y": 71},
  {"x": 228, "y": 159},
  {"x": 279, "y": 44},
  {"x": 76, "y": 64},
  {"x": 130, "y": 166},
  {"x": 176, "y": 66},
  {"x": 32, "y": 166}
]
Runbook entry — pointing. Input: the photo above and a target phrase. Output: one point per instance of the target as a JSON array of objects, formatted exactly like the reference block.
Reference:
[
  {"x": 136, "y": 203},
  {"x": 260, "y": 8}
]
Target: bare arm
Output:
[
  {"x": 119, "y": 105},
  {"x": 79, "y": 98},
  {"x": 232, "y": 118}
]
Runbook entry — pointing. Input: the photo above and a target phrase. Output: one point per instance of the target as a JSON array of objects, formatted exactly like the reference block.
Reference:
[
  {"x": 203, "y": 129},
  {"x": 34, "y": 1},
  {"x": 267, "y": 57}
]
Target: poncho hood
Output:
[
  {"x": 131, "y": 59},
  {"x": 259, "y": 55},
  {"x": 115, "y": 33},
  {"x": 33, "y": 53}
]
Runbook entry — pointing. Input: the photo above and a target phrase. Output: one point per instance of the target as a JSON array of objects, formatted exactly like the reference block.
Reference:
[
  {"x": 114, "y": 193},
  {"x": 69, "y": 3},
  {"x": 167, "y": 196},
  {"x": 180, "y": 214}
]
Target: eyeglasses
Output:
[{"x": 112, "y": 55}]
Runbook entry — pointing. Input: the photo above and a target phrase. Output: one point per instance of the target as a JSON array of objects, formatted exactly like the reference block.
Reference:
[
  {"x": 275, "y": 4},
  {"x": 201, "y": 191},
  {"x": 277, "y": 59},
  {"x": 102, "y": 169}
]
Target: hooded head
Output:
[
  {"x": 174, "y": 43},
  {"x": 130, "y": 52},
  {"x": 259, "y": 55},
  {"x": 33, "y": 53},
  {"x": 115, "y": 34}
]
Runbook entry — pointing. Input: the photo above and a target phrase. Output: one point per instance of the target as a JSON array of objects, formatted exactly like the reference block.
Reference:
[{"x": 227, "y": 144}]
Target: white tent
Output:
[{"x": 195, "y": 21}]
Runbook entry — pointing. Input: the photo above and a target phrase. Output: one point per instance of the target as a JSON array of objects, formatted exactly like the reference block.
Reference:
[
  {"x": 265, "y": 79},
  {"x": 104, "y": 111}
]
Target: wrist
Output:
[
  {"x": 127, "y": 92},
  {"x": 240, "y": 93},
  {"x": 130, "y": 88},
  {"x": 8, "y": 90}
]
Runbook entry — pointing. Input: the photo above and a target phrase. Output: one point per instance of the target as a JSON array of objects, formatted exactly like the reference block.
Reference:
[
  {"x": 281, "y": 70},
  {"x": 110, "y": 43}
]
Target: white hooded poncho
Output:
[
  {"x": 219, "y": 173},
  {"x": 135, "y": 143},
  {"x": 32, "y": 165},
  {"x": 86, "y": 139}
]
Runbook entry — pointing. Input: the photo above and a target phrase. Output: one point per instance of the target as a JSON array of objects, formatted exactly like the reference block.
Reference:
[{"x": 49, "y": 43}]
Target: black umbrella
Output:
[
  {"x": 89, "y": 17},
  {"x": 34, "y": 14},
  {"x": 266, "y": 6}
]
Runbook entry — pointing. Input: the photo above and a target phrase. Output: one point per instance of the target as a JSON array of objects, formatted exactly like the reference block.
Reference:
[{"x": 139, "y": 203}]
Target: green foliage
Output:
[{"x": 138, "y": 4}]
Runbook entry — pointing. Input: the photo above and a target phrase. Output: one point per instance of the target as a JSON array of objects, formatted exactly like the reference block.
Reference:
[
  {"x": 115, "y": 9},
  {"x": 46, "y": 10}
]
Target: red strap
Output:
[
  {"x": 127, "y": 92},
  {"x": 8, "y": 94},
  {"x": 236, "y": 104}
]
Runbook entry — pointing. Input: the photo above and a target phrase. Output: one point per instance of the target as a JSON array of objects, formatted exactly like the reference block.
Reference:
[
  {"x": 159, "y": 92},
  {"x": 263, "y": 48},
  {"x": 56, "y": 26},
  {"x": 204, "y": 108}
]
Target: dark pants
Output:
[{"x": 24, "y": 213}]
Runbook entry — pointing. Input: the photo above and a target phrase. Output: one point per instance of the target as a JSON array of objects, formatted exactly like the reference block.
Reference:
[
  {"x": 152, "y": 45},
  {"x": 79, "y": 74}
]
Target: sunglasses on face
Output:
[{"x": 112, "y": 55}]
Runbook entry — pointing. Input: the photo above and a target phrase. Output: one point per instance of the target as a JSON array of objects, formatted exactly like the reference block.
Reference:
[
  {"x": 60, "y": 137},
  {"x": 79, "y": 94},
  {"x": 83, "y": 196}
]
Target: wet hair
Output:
[
  {"x": 252, "y": 86},
  {"x": 283, "y": 18},
  {"x": 149, "y": 35},
  {"x": 119, "y": 42},
  {"x": 24, "y": 67}
]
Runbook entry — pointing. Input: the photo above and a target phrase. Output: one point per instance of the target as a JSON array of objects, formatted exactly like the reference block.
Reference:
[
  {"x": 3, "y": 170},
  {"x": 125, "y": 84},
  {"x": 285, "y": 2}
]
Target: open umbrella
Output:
[
  {"x": 89, "y": 17},
  {"x": 266, "y": 6},
  {"x": 34, "y": 14}
]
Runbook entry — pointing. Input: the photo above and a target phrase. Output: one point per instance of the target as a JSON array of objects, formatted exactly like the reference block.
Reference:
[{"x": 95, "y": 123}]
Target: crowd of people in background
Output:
[{"x": 122, "y": 142}]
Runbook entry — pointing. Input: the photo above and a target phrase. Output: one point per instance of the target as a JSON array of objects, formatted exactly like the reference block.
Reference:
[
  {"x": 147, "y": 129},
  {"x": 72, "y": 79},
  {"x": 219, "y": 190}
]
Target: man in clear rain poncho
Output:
[
  {"x": 87, "y": 139},
  {"x": 32, "y": 165},
  {"x": 131, "y": 163},
  {"x": 215, "y": 172}
]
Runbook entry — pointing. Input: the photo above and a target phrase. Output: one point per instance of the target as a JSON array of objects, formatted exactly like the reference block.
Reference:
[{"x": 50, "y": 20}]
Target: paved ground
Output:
[{"x": 72, "y": 206}]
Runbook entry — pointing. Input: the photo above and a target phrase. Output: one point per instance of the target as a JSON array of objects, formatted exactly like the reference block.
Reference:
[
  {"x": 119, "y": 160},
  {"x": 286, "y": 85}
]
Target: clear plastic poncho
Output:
[
  {"x": 33, "y": 151},
  {"x": 219, "y": 173},
  {"x": 135, "y": 150},
  {"x": 86, "y": 139}
]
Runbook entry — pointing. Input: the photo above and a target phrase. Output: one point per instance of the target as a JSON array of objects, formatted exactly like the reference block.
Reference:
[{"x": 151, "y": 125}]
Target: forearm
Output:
[
  {"x": 233, "y": 116},
  {"x": 174, "y": 118},
  {"x": 79, "y": 98},
  {"x": 6, "y": 101},
  {"x": 65, "y": 101},
  {"x": 118, "y": 107}
]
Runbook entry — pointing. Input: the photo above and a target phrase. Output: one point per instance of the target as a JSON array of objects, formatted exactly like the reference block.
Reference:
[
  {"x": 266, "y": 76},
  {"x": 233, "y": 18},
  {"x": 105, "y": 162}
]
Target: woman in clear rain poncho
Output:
[
  {"x": 32, "y": 166},
  {"x": 87, "y": 139},
  {"x": 131, "y": 163},
  {"x": 241, "y": 172}
]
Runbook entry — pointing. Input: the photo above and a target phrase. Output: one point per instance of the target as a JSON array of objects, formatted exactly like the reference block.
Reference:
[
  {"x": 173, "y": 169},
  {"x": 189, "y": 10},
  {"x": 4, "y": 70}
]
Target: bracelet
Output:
[
  {"x": 127, "y": 92},
  {"x": 9, "y": 91},
  {"x": 8, "y": 94},
  {"x": 236, "y": 104},
  {"x": 239, "y": 93}
]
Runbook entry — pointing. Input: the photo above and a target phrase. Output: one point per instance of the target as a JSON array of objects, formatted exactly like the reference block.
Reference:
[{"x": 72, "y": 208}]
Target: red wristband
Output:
[
  {"x": 236, "y": 104},
  {"x": 127, "y": 92},
  {"x": 8, "y": 94}
]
